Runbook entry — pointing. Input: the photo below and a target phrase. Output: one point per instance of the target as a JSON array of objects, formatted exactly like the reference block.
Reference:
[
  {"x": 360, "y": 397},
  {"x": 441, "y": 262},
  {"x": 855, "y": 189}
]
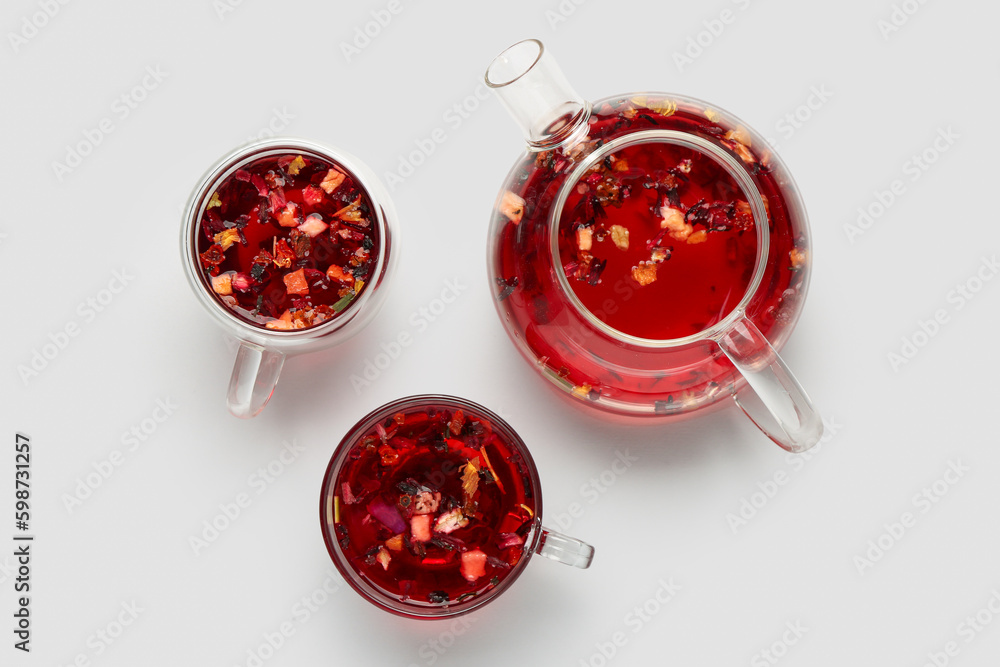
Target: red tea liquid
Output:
[
  {"x": 658, "y": 241},
  {"x": 432, "y": 507},
  {"x": 288, "y": 241}
]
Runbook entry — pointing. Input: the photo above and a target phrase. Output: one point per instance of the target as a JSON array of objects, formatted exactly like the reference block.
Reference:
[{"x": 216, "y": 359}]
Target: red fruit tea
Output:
[
  {"x": 658, "y": 241},
  {"x": 287, "y": 241},
  {"x": 432, "y": 506}
]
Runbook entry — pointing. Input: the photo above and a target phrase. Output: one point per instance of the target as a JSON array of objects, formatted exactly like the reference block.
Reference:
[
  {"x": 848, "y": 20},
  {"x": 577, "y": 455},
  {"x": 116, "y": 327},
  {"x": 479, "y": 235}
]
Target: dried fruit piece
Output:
[
  {"x": 456, "y": 423},
  {"x": 214, "y": 201},
  {"x": 798, "y": 258},
  {"x": 383, "y": 557},
  {"x": 473, "y": 564},
  {"x": 699, "y": 236},
  {"x": 511, "y": 206},
  {"x": 227, "y": 238},
  {"x": 619, "y": 235},
  {"x": 211, "y": 258},
  {"x": 339, "y": 274},
  {"x": 470, "y": 479},
  {"x": 450, "y": 521},
  {"x": 288, "y": 216},
  {"x": 489, "y": 466},
  {"x": 282, "y": 323},
  {"x": 332, "y": 181},
  {"x": 223, "y": 284},
  {"x": 660, "y": 254},
  {"x": 295, "y": 282},
  {"x": 283, "y": 255},
  {"x": 673, "y": 221},
  {"x": 351, "y": 212},
  {"x": 241, "y": 282},
  {"x": 644, "y": 273},
  {"x": 395, "y": 543},
  {"x": 426, "y": 502},
  {"x": 312, "y": 195},
  {"x": 313, "y": 225},
  {"x": 296, "y": 165},
  {"x": 420, "y": 527},
  {"x": 584, "y": 238}
]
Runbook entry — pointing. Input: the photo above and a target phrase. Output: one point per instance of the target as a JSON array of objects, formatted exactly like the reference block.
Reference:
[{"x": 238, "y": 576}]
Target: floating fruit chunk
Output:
[
  {"x": 223, "y": 284},
  {"x": 288, "y": 216},
  {"x": 214, "y": 201},
  {"x": 511, "y": 206},
  {"x": 426, "y": 502},
  {"x": 644, "y": 273},
  {"x": 699, "y": 236},
  {"x": 420, "y": 527},
  {"x": 296, "y": 165},
  {"x": 332, "y": 181},
  {"x": 473, "y": 564},
  {"x": 619, "y": 235},
  {"x": 450, "y": 521},
  {"x": 797, "y": 258},
  {"x": 584, "y": 238},
  {"x": 295, "y": 282},
  {"x": 227, "y": 238},
  {"x": 312, "y": 195}
]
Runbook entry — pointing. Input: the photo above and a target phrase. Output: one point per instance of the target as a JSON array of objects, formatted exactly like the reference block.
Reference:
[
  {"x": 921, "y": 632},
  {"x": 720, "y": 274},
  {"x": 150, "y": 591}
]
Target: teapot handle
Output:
[{"x": 777, "y": 404}]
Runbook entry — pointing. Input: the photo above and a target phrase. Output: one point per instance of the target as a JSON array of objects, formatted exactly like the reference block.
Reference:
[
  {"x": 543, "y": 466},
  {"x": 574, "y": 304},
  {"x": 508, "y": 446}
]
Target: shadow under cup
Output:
[{"x": 431, "y": 507}]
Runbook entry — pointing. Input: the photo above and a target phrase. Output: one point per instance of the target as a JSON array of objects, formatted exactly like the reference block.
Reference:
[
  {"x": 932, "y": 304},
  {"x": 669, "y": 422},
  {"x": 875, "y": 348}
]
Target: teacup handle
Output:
[
  {"x": 255, "y": 375},
  {"x": 797, "y": 426},
  {"x": 568, "y": 550}
]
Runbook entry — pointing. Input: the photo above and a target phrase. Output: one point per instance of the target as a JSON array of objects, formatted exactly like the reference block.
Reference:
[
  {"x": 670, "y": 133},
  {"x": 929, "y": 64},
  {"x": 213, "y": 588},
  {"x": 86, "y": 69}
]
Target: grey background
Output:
[{"x": 895, "y": 431}]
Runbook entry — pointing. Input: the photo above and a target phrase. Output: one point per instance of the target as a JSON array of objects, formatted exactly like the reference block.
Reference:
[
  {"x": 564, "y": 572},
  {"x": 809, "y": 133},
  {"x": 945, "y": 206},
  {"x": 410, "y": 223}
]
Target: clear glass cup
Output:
[
  {"x": 262, "y": 351},
  {"x": 519, "y": 464},
  {"x": 569, "y": 142}
]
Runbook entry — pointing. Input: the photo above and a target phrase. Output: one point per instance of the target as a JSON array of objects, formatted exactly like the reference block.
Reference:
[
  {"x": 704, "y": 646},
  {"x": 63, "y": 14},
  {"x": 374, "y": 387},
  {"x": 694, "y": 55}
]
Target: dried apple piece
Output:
[
  {"x": 295, "y": 283},
  {"x": 584, "y": 238},
  {"x": 511, "y": 206},
  {"x": 332, "y": 181},
  {"x": 312, "y": 195},
  {"x": 338, "y": 274},
  {"x": 214, "y": 201},
  {"x": 473, "y": 564},
  {"x": 619, "y": 235},
  {"x": 313, "y": 225},
  {"x": 223, "y": 284},
  {"x": 450, "y": 521}
]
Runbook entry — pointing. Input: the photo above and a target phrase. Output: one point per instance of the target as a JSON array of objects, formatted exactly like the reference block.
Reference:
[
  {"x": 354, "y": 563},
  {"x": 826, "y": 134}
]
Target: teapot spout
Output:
[{"x": 537, "y": 95}]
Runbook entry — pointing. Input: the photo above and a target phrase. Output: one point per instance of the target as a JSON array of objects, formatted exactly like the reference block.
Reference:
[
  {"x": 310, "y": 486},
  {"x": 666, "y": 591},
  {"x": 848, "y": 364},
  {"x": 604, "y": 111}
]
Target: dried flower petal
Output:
[
  {"x": 295, "y": 166},
  {"x": 511, "y": 206},
  {"x": 489, "y": 466},
  {"x": 383, "y": 558},
  {"x": 283, "y": 254},
  {"x": 619, "y": 235},
  {"x": 227, "y": 238}
]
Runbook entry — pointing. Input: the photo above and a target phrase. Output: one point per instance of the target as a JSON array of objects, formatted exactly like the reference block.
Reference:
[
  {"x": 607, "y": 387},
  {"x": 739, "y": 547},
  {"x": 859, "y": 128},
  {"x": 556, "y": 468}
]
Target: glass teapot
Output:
[{"x": 649, "y": 255}]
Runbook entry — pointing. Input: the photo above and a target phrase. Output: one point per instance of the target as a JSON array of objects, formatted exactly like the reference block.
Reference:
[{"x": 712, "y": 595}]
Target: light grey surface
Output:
[{"x": 665, "y": 518}]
